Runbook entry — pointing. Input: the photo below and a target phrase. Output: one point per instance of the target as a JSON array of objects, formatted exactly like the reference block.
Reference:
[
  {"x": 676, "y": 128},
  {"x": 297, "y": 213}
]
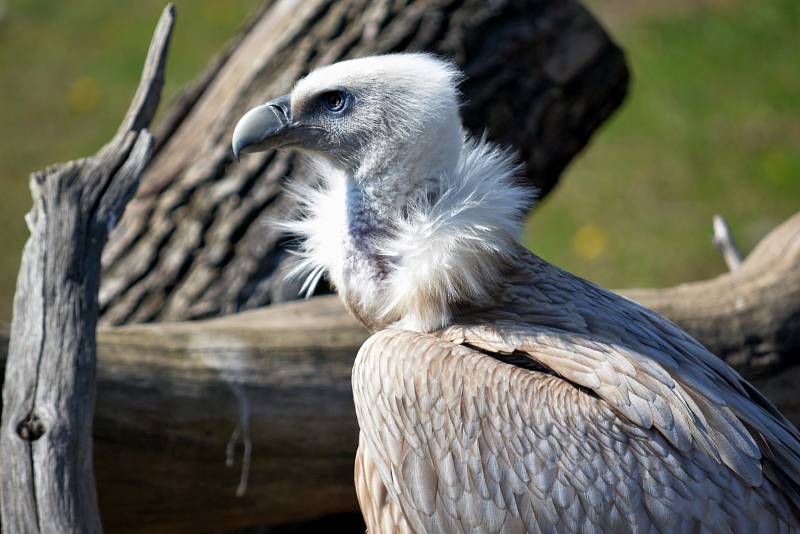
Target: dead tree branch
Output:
[
  {"x": 49, "y": 389},
  {"x": 723, "y": 240}
]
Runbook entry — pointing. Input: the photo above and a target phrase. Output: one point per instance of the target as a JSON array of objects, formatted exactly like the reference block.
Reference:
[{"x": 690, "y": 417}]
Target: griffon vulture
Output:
[{"x": 498, "y": 392}]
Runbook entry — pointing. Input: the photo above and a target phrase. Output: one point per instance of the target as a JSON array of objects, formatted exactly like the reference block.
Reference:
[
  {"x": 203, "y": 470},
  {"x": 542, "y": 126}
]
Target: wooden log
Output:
[
  {"x": 173, "y": 395},
  {"x": 170, "y": 395},
  {"x": 48, "y": 481},
  {"x": 196, "y": 241}
]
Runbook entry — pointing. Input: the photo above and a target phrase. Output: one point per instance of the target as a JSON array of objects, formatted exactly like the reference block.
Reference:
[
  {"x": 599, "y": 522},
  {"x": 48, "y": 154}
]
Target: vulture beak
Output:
[{"x": 263, "y": 127}]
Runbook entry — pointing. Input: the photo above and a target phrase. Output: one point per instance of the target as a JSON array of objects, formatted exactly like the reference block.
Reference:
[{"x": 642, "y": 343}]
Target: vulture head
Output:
[
  {"x": 407, "y": 215},
  {"x": 369, "y": 116}
]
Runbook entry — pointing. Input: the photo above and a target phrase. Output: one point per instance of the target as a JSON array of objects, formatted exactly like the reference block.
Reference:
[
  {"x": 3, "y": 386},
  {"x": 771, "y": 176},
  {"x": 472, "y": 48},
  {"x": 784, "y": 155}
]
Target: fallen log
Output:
[
  {"x": 172, "y": 395},
  {"x": 237, "y": 421}
]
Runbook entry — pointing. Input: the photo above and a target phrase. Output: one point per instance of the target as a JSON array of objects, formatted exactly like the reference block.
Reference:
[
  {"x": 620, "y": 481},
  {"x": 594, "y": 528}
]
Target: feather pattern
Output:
[
  {"x": 637, "y": 428},
  {"x": 464, "y": 442}
]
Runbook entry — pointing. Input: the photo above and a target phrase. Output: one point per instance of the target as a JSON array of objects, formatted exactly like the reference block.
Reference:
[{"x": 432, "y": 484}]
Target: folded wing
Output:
[{"x": 463, "y": 440}]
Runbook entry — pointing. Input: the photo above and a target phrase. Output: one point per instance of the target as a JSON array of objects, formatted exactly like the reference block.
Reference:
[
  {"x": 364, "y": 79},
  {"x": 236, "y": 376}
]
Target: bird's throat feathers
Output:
[{"x": 408, "y": 250}]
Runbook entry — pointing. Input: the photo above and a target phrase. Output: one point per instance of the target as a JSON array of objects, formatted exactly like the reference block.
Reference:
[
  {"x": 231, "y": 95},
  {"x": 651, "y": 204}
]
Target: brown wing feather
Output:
[
  {"x": 650, "y": 370},
  {"x": 464, "y": 442}
]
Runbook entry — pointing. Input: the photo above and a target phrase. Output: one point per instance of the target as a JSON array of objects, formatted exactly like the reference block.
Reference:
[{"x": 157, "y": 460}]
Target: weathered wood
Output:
[
  {"x": 196, "y": 242},
  {"x": 170, "y": 395},
  {"x": 48, "y": 482}
]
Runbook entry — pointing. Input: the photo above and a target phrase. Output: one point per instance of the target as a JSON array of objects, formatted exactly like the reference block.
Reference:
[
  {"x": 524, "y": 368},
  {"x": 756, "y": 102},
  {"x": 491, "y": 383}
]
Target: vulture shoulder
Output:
[{"x": 487, "y": 428}]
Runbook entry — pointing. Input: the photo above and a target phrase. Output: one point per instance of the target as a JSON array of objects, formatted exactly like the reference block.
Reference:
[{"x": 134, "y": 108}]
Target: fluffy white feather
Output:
[{"x": 446, "y": 248}]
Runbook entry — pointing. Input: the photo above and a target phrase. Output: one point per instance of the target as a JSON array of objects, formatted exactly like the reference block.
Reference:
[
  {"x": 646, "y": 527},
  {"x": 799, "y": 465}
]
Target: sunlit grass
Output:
[
  {"x": 67, "y": 73},
  {"x": 712, "y": 125}
]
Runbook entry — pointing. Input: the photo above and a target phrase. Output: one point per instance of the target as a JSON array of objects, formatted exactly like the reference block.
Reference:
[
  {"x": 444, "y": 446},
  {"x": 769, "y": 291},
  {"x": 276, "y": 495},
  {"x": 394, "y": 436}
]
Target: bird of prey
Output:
[{"x": 499, "y": 393}]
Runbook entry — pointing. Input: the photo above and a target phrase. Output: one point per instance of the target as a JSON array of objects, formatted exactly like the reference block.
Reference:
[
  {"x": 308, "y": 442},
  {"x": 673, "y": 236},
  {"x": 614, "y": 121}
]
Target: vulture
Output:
[{"x": 499, "y": 393}]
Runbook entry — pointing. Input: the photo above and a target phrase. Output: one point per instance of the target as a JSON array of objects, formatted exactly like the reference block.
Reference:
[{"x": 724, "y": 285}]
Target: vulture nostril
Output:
[
  {"x": 281, "y": 111},
  {"x": 282, "y": 108}
]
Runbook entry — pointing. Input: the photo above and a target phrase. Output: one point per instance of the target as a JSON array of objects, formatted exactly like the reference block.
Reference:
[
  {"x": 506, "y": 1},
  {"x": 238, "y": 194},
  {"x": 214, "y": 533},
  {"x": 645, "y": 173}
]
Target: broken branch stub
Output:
[{"x": 723, "y": 240}]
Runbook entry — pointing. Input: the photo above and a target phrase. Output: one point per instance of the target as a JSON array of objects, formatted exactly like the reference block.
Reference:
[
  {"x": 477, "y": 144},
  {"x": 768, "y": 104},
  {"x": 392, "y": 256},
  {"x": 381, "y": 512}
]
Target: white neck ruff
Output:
[{"x": 411, "y": 266}]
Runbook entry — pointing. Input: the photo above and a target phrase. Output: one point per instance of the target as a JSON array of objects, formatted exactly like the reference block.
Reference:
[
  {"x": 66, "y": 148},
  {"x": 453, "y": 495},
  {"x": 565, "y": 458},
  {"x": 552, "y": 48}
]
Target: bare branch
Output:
[
  {"x": 723, "y": 240},
  {"x": 48, "y": 482},
  {"x": 145, "y": 102}
]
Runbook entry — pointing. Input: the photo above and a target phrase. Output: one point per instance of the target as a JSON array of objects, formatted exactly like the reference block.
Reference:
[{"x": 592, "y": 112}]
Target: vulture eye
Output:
[{"x": 334, "y": 101}]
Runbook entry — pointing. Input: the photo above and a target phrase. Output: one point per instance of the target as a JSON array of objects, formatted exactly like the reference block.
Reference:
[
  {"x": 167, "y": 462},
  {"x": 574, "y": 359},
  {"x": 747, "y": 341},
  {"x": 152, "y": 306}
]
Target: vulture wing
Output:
[{"x": 582, "y": 436}]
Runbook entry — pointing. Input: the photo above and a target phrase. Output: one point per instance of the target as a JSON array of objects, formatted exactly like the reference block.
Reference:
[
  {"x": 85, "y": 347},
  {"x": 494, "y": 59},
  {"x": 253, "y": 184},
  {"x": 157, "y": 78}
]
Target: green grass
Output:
[
  {"x": 712, "y": 125},
  {"x": 67, "y": 73}
]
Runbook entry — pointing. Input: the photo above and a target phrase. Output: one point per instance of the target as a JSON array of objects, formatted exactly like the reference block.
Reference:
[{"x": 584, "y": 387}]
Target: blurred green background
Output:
[{"x": 712, "y": 123}]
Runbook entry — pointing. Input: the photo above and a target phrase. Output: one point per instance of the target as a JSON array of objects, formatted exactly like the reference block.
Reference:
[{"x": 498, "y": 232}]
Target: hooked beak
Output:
[{"x": 263, "y": 127}]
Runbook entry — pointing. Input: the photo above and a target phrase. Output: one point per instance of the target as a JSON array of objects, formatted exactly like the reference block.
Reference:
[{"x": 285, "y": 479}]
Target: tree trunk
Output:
[
  {"x": 48, "y": 480},
  {"x": 542, "y": 75},
  {"x": 269, "y": 390}
]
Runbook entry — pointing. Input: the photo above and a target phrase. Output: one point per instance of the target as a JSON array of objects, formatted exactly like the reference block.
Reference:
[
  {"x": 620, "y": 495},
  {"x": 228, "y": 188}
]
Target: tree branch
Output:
[
  {"x": 48, "y": 396},
  {"x": 723, "y": 240}
]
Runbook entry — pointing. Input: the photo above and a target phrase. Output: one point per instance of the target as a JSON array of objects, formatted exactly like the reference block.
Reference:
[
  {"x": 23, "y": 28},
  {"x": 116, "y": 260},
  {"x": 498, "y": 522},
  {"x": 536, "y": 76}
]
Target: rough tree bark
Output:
[
  {"x": 195, "y": 242},
  {"x": 48, "y": 481},
  {"x": 270, "y": 390}
]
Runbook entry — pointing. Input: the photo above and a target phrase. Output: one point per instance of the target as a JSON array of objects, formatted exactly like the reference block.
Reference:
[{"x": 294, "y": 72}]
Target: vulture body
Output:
[{"x": 498, "y": 392}]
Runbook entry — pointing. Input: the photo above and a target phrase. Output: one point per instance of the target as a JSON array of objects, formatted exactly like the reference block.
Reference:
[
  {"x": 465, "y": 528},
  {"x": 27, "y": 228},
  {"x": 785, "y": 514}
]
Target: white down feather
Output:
[{"x": 442, "y": 250}]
